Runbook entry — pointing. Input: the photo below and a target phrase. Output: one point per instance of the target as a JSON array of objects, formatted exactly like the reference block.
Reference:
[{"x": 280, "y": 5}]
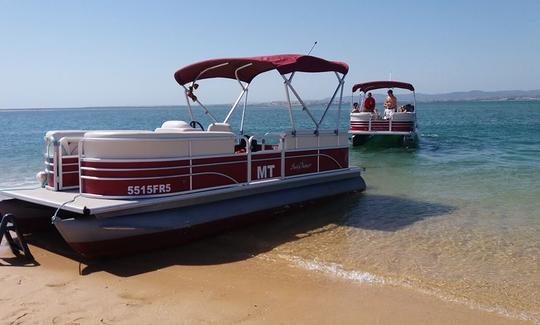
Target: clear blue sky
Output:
[{"x": 99, "y": 53}]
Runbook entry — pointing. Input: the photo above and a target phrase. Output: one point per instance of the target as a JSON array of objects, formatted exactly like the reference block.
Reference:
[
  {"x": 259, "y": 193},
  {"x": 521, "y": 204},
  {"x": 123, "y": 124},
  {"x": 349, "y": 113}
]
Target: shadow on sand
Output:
[{"x": 364, "y": 211}]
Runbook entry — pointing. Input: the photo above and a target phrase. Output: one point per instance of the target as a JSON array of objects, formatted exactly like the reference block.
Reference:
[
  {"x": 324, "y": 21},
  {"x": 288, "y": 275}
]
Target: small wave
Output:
[
  {"x": 337, "y": 270},
  {"x": 334, "y": 269},
  {"x": 429, "y": 135}
]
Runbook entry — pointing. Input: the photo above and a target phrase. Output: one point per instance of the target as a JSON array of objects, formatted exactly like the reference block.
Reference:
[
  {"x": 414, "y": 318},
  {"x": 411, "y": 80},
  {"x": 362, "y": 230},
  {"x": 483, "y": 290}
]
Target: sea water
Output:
[{"x": 457, "y": 217}]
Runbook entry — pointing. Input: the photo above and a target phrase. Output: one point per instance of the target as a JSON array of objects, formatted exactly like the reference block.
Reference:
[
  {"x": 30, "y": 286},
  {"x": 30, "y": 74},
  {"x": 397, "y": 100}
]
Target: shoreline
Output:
[{"x": 208, "y": 281}]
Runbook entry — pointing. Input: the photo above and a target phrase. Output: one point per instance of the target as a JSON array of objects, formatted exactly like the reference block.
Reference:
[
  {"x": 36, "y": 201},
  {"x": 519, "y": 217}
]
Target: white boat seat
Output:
[
  {"x": 403, "y": 116},
  {"x": 156, "y": 145},
  {"x": 176, "y": 126},
  {"x": 225, "y": 127},
  {"x": 307, "y": 139},
  {"x": 57, "y": 135},
  {"x": 157, "y": 135},
  {"x": 363, "y": 116}
]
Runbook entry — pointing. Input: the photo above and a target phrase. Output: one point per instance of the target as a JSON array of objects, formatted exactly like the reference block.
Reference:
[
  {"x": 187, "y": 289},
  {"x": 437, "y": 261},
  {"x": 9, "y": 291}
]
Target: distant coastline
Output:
[{"x": 460, "y": 96}]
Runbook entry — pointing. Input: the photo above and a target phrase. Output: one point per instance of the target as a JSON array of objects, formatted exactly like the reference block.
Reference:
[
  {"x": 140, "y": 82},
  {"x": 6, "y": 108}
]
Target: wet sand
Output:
[{"x": 215, "y": 280}]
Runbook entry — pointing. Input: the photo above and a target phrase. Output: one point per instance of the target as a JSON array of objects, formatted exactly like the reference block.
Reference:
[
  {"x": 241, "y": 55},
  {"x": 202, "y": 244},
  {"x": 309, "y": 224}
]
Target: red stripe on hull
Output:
[
  {"x": 236, "y": 171},
  {"x": 300, "y": 153},
  {"x": 219, "y": 160},
  {"x": 340, "y": 159},
  {"x": 70, "y": 160},
  {"x": 135, "y": 173},
  {"x": 70, "y": 168},
  {"x": 398, "y": 126},
  {"x": 136, "y": 164},
  {"x": 258, "y": 156},
  {"x": 210, "y": 172}
]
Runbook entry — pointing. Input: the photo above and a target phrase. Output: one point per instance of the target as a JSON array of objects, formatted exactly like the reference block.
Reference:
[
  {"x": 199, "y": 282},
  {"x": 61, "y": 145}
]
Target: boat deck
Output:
[{"x": 74, "y": 202}]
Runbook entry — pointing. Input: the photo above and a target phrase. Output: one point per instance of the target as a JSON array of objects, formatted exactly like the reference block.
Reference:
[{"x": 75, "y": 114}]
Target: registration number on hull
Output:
[{"x": 148, "y": 189}]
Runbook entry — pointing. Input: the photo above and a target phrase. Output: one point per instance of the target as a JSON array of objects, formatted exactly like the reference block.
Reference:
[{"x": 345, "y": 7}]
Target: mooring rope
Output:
[{"x": 55, "y": 215}]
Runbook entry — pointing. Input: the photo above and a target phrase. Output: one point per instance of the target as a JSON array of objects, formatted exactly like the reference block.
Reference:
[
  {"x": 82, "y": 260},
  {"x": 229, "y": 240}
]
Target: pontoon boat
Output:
[
  {"x": 114, "y": 192},
  {"x": 400, "y": 124}
]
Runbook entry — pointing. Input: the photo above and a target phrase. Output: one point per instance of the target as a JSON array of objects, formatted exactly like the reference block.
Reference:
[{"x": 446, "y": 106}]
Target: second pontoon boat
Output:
[{"x": 398, "y": 123}]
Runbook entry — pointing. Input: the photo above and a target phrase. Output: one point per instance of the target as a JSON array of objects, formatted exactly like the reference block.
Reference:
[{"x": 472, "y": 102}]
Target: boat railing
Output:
[
  {"x": 267, "y": 157},
  {"x": 377, "y": 124},
  {"x": 61, "y": 162}
]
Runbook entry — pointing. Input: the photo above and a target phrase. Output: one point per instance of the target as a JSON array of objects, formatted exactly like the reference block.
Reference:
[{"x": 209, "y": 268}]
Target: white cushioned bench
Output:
[
  {"x": 307, "y": 139},
  {"x": 155, "y": 145}
]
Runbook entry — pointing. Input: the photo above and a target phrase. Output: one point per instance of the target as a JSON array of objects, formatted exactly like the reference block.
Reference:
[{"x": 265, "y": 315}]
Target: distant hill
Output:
[
  {"x": 479, "y": 95},
  {"x": 473, "y": 95}
]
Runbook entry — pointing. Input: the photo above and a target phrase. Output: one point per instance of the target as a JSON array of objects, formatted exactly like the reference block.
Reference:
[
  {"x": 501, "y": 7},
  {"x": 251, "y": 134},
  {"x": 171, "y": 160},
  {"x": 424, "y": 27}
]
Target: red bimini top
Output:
[
  {"x": 372, "y": 85},
  {"x": 253, "y": 66}
]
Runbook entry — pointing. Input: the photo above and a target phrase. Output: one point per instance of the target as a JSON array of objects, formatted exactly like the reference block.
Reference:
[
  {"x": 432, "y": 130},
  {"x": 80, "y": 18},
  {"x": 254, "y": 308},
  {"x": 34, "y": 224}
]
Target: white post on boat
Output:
[
  {"x": 244, "y": 91},
  {"x": 304, "y": 107},
  {"x": 340, "y": 80},
  {"x": 80, "y": 154},
  {"x": 233, "y": 107},
  {"x": 282, "y": 158},
  {"x": 189, "y": 106},
  {"x": 248, "y": 149},
  {"x": 244, "y": 112},
  {"x": 206, "y": 111},
  {"x": 414, "y": 110},
  {"x": 339, "y": 105},
  {"x": 291, "y": 116}
]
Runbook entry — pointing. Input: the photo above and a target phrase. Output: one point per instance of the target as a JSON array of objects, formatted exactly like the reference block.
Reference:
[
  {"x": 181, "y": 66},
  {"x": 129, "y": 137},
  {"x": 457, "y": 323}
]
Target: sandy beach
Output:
[{"x": 215, "y": 280}]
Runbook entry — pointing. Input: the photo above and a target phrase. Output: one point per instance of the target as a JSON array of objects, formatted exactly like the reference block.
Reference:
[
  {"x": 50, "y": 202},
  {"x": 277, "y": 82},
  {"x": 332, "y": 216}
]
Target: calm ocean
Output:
[{"x": 458, "y": 217}]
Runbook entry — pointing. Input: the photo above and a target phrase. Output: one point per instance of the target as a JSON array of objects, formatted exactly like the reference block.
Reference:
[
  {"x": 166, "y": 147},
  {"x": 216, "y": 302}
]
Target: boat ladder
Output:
[{"x": 18, "y": 245}]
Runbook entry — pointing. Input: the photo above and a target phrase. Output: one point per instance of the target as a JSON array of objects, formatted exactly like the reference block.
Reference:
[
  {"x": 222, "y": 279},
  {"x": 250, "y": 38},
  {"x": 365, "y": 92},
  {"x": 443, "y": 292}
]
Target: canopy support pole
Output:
[
  {"x": 206, "y": 111},
  {"x": 244, "y": 91},
  {"x": 291, "y": 116},
  {"x": 304, "y": 107},
  {"x": 342, "y": 82},
  {"x": 340, "y": 86},
  {"x": 189, "y": 107},
  {"x": 243, "y": 113}
]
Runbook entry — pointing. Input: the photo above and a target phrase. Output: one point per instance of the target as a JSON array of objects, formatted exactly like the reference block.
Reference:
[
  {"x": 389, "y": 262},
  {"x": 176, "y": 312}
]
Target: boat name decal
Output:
[{"x": 300, "y": 165}]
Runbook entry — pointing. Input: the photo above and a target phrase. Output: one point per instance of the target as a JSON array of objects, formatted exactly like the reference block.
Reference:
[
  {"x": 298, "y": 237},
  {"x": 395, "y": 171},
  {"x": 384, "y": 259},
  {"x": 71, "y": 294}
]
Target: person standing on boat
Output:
[
  {"x": 369, "y": 103},
  {"x": 390, "y": 104}
]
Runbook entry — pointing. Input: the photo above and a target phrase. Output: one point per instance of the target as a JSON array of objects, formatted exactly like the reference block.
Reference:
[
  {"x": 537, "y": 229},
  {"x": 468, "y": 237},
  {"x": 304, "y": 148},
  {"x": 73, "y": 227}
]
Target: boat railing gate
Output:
[
  {"x": 58, "y": 155},
  {"x": 18, "y": 246}
]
